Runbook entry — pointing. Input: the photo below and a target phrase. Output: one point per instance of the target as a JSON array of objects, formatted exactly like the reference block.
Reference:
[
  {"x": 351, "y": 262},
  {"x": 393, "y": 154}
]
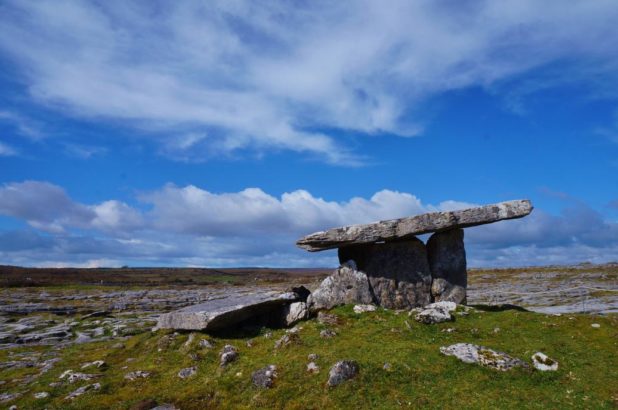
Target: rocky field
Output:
[{"x": 87, "y": 343}]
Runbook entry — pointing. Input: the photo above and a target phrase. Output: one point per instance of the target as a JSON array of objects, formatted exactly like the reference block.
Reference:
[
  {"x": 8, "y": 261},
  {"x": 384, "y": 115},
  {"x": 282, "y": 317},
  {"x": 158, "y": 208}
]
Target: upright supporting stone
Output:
[
  {"x": 447, "y": 262},
  {"x": 398, "y": 272}
]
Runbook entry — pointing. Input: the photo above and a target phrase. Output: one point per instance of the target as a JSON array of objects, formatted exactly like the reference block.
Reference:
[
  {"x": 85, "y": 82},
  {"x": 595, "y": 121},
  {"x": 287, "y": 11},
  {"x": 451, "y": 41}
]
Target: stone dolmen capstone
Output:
[{"x": 402, "y": 272}]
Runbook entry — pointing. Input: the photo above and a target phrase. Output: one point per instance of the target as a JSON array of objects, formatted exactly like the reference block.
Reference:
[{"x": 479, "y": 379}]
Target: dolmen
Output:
[
  {"x": 386, "y": 264},
  {"x": 381, "y": 263}
]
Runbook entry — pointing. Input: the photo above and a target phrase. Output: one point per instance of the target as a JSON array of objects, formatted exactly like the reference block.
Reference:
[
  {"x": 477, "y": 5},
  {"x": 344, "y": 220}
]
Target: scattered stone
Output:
[
  {"x": 448, "y": 330},
  {"x": 312, "y": 357},
  {"x": 436, "y": 313},
  {"x": 72, "y": 376},
  {"x": 206, "y": 344},
  {"x": 249, "y": 343},
  {"x": 294, "y": 313},
  {"x": 187, "y": 372},
  {"x": 137, "y": 374},
  {"x": 99, "y": 364},
  {"x": 228, "y": 355},
  {"x": 416, "y": 225},
  {"x": 447, "y": 262},
  {"x": 295, "y": 329},
  {"x": 470, "y": 353},
  {"x": 222, "y": 313},
  {"x": 387, "y": 366},
  {"x": 496, "y": 330},
  {"x": 268, "y": 335},
  {"x": 364, "y": 308},
  {"x": 4, "y": 397},
  {"x": 342, "y": 371},
  {"x": 287, "y": 339},
  {"x": 118, "y": 346},
  {"x": 312, "y": 367},
  {"x": 327, "y": 334},
  {"x": 345, "y": 285},
  {"x": 189, "y": 341},
  {"x": 264, "y": 378},
  {"x": 328, "y": 319},
  {"x": 195, "y": 357},
  {"x": 398, "y": 272},
  {"x": 41, "y": 395},
  {"x": 595, "y": 325},
  {"x": 82, "y": 390},
  {"x": 541, "y": 362}
]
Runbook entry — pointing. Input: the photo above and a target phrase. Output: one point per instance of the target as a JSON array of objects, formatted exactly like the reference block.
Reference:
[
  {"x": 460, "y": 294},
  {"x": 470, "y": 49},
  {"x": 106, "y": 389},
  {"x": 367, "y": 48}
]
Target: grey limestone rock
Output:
[
  {"x": 541, "y": 362},
  {"x": 342, "y": 371},
  {"x": 447, "y": 262},
  {"x": 265, "y": 377},
  {"x": 437, "y": 312},
  {"x": 228, "y": 354},
  {"x": 398, "y": 272},
  {"x": 187, "y": 372},
  {"x": 471, "y": 353},
  {"x": 345, "y": 285},
  {"x": 137, "y": 374},
  {"x": 415, "y": 225},
  {"x": 221, "y": 313},
  {"x": 294, "y": 313}
]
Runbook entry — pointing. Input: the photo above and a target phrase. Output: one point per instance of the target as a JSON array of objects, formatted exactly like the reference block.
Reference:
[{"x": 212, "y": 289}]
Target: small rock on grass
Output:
[
  {"x": 264, "y": 378},
  {"x": 41, "y": 395},
  {"x": 595, "y": 325},
  {"x": 328, "y": 319},
  {"x": 187, "y": 372},
  {"x": 287, "y": 339},
  {"x": 327, "y": 334},
  {"x": 364, "y": 308},
  {"x": 206, "y": 344},
  {"x": 312, "y": 357},
  {"x": 436, "y": 313},
  {"x": 342, "y": 371},
  {"x": 312, "y": 367},
  {"x": 541, "y": 362},
  {"x": 72, "y": 376},
  {"x": 82, "y": 390},
  {"x": 97, "y": 363},
  {"x": 138, "y": 374},
  {"x": 471, "y": 353},
  {"x": 228, "y": 355}
]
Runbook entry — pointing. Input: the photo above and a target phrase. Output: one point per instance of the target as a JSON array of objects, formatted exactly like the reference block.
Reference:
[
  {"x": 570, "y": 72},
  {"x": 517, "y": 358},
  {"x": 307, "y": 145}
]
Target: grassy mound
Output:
[{"x": 419, "y": 376}]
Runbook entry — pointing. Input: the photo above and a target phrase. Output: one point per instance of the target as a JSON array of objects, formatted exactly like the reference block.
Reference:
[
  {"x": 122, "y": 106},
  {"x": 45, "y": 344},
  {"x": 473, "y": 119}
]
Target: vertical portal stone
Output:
[
  {"x": 398, "y": 272},
  {"x": 447, "y": 261}
]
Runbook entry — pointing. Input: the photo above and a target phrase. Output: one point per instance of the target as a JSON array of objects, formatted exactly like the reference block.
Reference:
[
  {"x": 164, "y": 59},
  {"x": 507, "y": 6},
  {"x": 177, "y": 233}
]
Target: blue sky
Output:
[{"x": 217, "y": 133}]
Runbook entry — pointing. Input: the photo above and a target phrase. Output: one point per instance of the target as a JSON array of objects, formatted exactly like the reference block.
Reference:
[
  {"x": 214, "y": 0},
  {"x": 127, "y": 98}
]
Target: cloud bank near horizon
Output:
[
  {"x": 217, "y": 78},
  {"x": 190, "y": 226}
]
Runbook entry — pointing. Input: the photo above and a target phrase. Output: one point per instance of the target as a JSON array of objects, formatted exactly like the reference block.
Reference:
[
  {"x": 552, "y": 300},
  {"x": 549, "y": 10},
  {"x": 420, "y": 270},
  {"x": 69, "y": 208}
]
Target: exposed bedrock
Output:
[
  {"x": 447, "y": 262},
  {"x": 398, "y": 272}
]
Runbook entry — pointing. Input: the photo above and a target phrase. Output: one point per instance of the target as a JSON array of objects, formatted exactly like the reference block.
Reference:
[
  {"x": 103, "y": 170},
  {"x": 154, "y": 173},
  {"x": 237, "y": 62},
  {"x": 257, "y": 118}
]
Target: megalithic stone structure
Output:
[{"x": 402, "y": 271}]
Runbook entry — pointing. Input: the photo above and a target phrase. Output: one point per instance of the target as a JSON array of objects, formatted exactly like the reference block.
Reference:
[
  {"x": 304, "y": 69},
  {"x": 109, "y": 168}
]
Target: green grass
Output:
[{"x": 420, "y": 377}]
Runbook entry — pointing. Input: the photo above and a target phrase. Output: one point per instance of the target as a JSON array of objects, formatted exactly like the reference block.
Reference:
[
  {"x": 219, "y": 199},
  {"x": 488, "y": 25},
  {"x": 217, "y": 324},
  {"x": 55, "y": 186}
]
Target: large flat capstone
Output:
[
  {"x": 415, "y": 225},
  {"x": 221, "y": 313}
]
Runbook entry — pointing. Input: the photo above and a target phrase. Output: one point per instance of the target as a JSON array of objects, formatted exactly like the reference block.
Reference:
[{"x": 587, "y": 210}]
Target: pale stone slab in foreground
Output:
[
  {"x": 415, "y": 225},
  {"x": 221, "y": 313}
]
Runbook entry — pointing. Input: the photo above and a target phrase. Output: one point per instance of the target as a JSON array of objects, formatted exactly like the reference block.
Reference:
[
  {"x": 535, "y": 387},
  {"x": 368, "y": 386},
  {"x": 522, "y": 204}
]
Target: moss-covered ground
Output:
[{"x": 418, "y": 377}]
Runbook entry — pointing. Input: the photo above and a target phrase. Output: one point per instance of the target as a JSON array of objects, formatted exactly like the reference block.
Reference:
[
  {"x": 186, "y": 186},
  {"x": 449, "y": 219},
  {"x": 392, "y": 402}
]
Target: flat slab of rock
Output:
[
  {"x": 221, "y": 313},
  {"x": 415, "y": 225}
]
